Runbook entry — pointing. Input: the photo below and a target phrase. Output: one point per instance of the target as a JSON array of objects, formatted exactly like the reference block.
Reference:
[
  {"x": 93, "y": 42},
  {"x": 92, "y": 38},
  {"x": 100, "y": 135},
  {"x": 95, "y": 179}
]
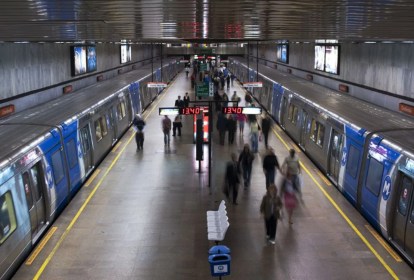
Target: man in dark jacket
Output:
[
  {"x": 265, "y": 128},
  {"x": 270, "y": 164},
  {"x": 139, "y": 125},
  {"x": 232, "y": 178}
]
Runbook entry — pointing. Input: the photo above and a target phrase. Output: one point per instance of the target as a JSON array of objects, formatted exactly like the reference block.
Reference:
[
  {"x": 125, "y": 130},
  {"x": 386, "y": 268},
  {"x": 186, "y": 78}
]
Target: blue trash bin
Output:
[
  {"x": 219, "y": 264},
  {"x": 219, "y": 260}
]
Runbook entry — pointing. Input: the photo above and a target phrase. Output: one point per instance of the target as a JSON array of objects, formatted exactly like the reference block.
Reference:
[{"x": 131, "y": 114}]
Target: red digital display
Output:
[
  {"x": 190, "y": 111},
  {"x": 232, "y": 110}
]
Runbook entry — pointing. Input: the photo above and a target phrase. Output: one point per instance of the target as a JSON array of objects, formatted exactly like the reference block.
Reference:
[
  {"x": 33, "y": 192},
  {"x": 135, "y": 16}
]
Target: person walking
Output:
[
  {"x": 266, "y": 129},
  {"x": 186, "y": 100},
  {"x": 254, "y": 136},
  {"x": 270, "y": 209},
  {"x": 231, "y": 181},
  {"x": 246, "y": 159},
  {"x": 270, "y": 163},
  {"x": 221, "y": 127},
  {"x": 291, "y": 165},
  {"x": 177, "y": 125},
  {"x": 231, "y": 127},
  {"x": 139, "y": 125},
  {"x": 241, "y": 118},
  {"x": 289, "y": 196},
  {"x": 166, "y": 128}
]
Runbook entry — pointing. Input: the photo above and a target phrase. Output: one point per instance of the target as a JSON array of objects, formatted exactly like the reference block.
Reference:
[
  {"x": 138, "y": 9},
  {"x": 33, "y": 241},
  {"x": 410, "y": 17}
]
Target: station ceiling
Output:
[{"x": 205, "y": 20}]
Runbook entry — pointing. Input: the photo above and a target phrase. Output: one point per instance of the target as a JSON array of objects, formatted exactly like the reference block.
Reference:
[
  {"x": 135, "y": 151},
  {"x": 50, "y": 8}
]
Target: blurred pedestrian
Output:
[
  {"x": 231, "y": 181},
  {"x": 254, "y": 136},
  {"x": 231, "y": 127},
  {"x": 241, "y": 118},
  {"x": 139, "y": 125},
  {"x": 246, "y": 159},
  {"x": 289, "y": 196},
  {"x": 266, "y": 129},
  {"x": 270, "y": 163},
  {"x": 270, "y": 208},
  {"x": 291, "y": 165},
  {"x": 186, "y": 100},
  {"x": 221, "y": 127}
]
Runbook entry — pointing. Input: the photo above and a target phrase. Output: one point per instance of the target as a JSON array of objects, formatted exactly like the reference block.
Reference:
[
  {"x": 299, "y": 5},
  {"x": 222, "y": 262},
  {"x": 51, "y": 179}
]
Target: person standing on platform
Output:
[
  {"x": 228, "y": 82},
  {"x": 270, "y": 163},
  {"x": 270, "y": 209},
  {"x": 177, "y": 125},
  {"x": 231, "y": 181},
  {"x": 291, "y": 165},
  {"x": 289, "y": 196},
  {"x": 241, "y": 118},
  {"x": 231, "y": 127},
  {"x": 166, "y": 128},
  {"x": 266, "y": 129},
  {"x": 248, "y": 99},
  {"x": 246, "y": 159},
  {"x": 187, "y": 70},
  {"x": 254, "y": 136},
  {"x": 232, "y": 77},
  {"x": 179, "y": 102},
  {"x": 139, "y": 125},
  {"x": 235, "y": 98},
  {"x": 186, "y": 100}
]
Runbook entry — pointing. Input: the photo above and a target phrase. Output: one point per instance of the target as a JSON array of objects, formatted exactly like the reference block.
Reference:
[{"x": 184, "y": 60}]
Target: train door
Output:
[
  {"x": 283, "y": 110},
  {"x": 403, "y": 228},
  {"x": 34, "y": 190},
  {"x": 303, "y": 129},
  {"x": 85, "y": 139},
  {"x": 113, "y": 124},
  {"x": 335, "y": 153}
]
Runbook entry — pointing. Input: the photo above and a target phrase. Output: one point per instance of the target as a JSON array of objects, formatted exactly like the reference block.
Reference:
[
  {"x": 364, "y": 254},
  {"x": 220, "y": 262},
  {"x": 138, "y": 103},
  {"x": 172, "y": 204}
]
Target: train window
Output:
[
  {"x": 353, "y": 161},
  {"x": 57, "y": 167},
  {"x": 85, "y": 139},
  {"x": 27, "y": 190},
  {"x": 72, "y": 153},
  {"x": 290, "y": 112},
  {"x": 317, "y": 132},
  {"x": 374, "y": 176},
  {"x": 7, "y": 217},
  {"x": 295, "y": 115},
  {"x": 121, "y": 110},
  {"x": 104, "y": 124},
  {"x": 37, "y": 181},
  {"x": 406, "y": 187},
  {"x": 98, "y": 131}
]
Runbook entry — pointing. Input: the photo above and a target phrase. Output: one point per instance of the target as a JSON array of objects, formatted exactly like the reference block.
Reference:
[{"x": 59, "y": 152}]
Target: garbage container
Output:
[{"x": 219, "y": 260}]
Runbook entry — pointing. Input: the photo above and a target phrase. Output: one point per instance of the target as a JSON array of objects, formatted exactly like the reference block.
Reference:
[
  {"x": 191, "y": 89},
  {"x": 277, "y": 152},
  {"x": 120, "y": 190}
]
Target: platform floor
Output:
[{"x": 144, "y": 217}]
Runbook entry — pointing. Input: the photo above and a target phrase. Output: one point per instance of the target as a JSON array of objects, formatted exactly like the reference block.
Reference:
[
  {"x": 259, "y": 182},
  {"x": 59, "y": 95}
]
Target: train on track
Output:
[
  {"x": 365, "y": 150},
  {"x": 47, "y": 152}
]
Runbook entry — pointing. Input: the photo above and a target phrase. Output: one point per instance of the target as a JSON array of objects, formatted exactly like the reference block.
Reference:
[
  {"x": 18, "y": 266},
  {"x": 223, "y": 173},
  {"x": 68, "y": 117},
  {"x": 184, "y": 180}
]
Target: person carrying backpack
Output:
[{"x": 139, "y": 125}]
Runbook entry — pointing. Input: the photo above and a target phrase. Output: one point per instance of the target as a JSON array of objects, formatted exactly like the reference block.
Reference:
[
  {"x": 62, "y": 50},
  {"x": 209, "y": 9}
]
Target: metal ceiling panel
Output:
[{"x": 207, "y": 20}]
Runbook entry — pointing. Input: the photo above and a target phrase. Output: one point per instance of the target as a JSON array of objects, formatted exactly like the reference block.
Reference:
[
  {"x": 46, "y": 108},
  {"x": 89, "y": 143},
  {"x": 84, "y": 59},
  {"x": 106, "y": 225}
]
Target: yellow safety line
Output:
[
  {"x": 69, "y": 227},
  {"x": 92, "y": 177},
  {"x": 384, "y": 244},
  {"x": 40, "y": 247},
  {"x": 324, "y": 179},
  {"x": 116, "y": 146},
  {"x": 350, "y": 223}
]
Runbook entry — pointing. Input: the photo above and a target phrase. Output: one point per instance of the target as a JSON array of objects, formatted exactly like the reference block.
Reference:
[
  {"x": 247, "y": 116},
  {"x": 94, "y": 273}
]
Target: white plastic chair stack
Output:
[{"x": 217, "y": 223}]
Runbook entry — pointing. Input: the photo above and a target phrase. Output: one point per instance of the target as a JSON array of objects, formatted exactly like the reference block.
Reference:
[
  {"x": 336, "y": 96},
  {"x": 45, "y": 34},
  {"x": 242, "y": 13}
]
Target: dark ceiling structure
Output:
[{"x": 205, "y": 20}]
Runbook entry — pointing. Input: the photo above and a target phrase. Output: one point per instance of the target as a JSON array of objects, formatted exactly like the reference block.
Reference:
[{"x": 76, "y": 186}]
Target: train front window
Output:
[
  {"x": 7, "y": 217},
  {"x": 352, "y": 162},
  {"x": 406, "y": 187}
]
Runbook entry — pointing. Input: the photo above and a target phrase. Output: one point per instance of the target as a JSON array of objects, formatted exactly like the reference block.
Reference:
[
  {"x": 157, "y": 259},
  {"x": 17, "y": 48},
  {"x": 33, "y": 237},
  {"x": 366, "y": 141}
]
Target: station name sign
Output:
[
  {"x": 156, "y": 85},
  {"x": 242, "y": 110},
  {"x": 253, "y": 84}
]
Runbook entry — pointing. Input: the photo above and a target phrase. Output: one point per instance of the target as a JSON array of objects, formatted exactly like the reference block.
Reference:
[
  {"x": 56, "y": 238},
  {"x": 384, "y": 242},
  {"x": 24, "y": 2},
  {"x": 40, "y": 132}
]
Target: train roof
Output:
[
  {"x": 15, "y": 133},
  {"x": 353, "y": 110}
]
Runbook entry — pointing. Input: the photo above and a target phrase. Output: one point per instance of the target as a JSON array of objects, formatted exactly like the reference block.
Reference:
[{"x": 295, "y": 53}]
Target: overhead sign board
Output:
[
  {"x": 184, "y": 61},
  {"x": 204, "y": 89},
  {"x": 169, "y": 111},
  {"x": 253, "y": 84},
  {"x": 157, "y": 85},
  {"x": 242, "y": 110}
]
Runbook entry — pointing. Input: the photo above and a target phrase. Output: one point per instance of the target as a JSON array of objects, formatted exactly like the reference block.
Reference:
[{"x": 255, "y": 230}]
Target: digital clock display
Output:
[
  {"x": 190, "y": 111},
  {"x": 242, "y": 110}
]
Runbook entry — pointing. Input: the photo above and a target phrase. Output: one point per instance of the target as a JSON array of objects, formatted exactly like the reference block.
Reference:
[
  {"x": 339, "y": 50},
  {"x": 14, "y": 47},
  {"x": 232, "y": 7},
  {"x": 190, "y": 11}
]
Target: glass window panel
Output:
[
  {"x": 353, "y": 161},
  {"x": 374, "y": 176},
  {"x": 57, "y": 167},
  {"x": 72, "y": 153},
  {"x": 7, "y": 217},
  {"x": 403, "y": 201}
]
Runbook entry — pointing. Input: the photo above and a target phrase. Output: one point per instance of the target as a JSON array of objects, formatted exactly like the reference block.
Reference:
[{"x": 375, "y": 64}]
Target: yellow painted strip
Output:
[
  {"x": 92, "y": 177},
  {"x": 324, "y": 179},
  {"x": 384, "y": 244},
  {"x": 68, "y": 229},
  {"x": 350, "y": 223},
  {"x": 116, "y": 146},
  {"x": 40, "y": 247}
]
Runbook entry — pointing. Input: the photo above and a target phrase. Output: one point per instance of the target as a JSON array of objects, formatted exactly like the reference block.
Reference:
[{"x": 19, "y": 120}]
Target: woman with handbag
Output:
[
  {"x": 270, "y": 208},
  {"x": 289, "y": 195}
]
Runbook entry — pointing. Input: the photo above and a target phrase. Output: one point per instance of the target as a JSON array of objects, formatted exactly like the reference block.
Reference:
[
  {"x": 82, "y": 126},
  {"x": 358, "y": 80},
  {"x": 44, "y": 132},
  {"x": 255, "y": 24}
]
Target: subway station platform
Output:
[{"x": 142, "y": 215}]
